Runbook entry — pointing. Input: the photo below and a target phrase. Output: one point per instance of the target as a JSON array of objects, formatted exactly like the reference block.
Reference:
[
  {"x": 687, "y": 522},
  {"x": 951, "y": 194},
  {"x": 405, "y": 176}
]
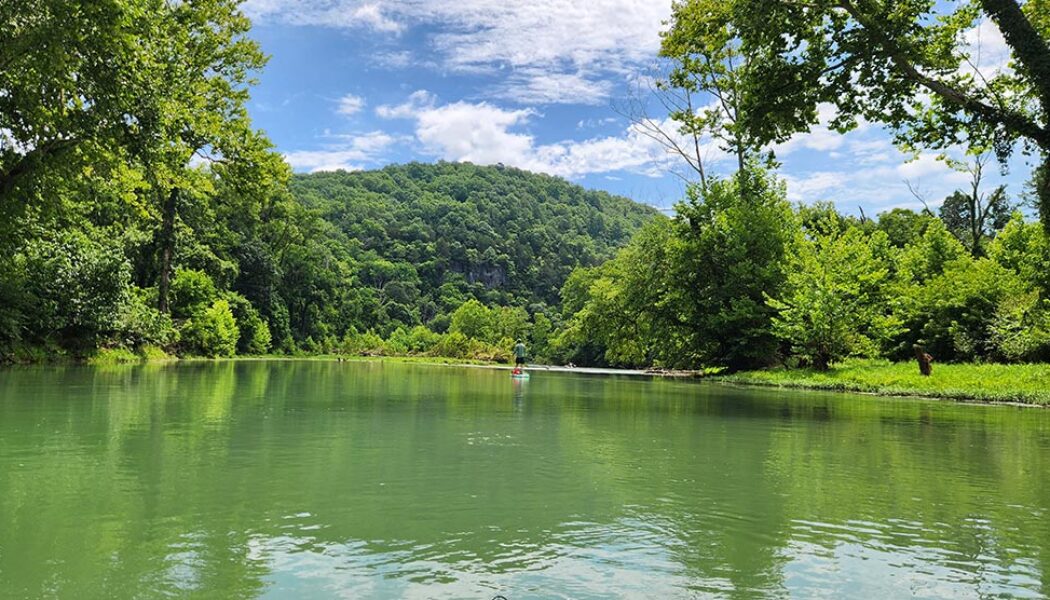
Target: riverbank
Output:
[
  {"x": 1017, "y": 383},
  {"x": 999, "y": 383}
]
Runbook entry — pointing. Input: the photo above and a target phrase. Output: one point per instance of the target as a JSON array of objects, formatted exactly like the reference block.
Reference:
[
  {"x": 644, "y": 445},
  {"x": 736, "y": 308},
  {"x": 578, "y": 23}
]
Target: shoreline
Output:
[{"x": 846, "y": 378}]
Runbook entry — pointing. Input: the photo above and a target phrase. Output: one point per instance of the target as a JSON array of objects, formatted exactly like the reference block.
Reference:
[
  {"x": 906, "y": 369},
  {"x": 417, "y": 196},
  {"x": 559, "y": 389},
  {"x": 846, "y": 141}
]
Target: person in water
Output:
[{"x": 519, "y": 356}]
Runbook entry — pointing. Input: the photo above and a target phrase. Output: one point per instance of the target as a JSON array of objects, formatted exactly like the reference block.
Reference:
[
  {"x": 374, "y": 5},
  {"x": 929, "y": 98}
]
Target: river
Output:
[{"x": 314, "y": 479}]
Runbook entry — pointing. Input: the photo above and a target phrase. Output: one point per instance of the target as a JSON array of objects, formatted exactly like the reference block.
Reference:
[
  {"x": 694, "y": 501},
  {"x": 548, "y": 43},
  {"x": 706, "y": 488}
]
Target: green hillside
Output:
[
  {"x": 428, "y": 237},
  {"x": 296, "y": 263}
]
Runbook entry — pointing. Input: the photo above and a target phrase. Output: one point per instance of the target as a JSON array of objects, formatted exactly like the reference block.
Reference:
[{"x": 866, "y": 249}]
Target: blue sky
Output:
[{"x": 539, "y": 85}]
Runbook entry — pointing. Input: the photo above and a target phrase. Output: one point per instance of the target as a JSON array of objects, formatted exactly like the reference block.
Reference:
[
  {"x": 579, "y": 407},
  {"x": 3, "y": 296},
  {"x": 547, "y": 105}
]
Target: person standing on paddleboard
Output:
[{"x": 519, "y": 356}]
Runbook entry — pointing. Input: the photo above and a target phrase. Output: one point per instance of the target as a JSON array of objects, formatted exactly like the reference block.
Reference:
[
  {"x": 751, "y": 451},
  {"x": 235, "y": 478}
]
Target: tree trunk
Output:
[
  {"x": 167, "y": 247},
  {"x": 1041, "y": 182},
  {"x": 924, "y": 359}
]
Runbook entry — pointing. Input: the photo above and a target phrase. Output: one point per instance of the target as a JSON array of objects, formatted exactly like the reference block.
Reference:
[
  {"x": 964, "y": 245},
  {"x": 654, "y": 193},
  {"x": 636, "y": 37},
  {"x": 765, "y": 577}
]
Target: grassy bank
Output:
[
  {"x": 1028, "y": 384},
  {"x": 123, "y": 356}
]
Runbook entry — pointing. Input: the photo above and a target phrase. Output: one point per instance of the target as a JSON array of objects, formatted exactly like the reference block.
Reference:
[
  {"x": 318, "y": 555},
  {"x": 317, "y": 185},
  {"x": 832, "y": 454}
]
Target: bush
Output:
[
  {"x": 422, "y": 340},
  {"x": 474, "y": 320},
  {"x": 212, "y": 331},
  {"x": 255, "y": 335},
  {"x": 368, "y": 343},
  {"x": 141, "y": 324},
  {"x": 75, "y": 286},
  {"x": 191, "y": 292},
  {"x": 453, "y": 345},
  {"x": 1021, "y": 328},
  {"x": 114, "y": 356}
]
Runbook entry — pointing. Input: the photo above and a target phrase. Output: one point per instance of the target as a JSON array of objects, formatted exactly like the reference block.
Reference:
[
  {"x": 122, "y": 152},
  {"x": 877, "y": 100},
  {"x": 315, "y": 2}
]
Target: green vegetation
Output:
[
  {"x": 147, "y": 218},
  {"x": 905, "y": 64},
  {"x": 738, "y": 279},
  {"x": 984, "y": 382}
]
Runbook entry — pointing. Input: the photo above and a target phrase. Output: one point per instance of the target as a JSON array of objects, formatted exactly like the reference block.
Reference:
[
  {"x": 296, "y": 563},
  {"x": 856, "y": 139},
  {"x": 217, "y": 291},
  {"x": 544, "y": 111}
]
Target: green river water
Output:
[{"x": 313, "y": 479}]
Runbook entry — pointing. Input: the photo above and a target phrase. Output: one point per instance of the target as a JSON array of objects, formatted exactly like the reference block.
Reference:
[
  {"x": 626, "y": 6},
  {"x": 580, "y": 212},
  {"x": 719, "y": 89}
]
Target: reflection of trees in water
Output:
[{"x": 175, "y": 474}]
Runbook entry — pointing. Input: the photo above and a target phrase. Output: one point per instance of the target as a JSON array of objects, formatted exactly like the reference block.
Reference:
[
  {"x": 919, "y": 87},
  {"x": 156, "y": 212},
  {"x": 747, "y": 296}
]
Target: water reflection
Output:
[{"x": 293, "y": 479}]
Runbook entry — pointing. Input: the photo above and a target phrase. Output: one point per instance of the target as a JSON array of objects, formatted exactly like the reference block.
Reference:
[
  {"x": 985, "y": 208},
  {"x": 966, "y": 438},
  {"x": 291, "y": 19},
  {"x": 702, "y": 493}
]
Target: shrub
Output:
[
  {"x": 473, "y": 320},
  {"x": 255, "y": 335},
  {"x": 212, "y": 331},
  {"x": 191, "y": 292},
  {"x": 141, "y": 324},
  {"x": 368, "y": 343},
  {"x": 114, "y": 356},
  {"x": 75, "y": 286},
  {"x": 1021, "y": 328},
  {"x": 422, "y": 340},
  {"x": 453, "y": 345}
]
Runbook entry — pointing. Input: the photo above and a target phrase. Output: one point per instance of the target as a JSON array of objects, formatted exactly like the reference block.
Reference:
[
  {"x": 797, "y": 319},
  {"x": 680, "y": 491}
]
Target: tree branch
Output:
[
  {"x": 1027, "y": 44},
  {"x": 1012, "y": 120},
  {"x": 50, "y": 149}
]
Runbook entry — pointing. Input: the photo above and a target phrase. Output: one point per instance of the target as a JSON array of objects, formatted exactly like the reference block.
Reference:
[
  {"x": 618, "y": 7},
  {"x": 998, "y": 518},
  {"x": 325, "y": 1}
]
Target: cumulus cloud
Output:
[
  {"x": 553, "y": 51},
  {"x": 346, "y": 152},
  {"x": 986, "y": 50},
  {"x": 484, "y": 133}
]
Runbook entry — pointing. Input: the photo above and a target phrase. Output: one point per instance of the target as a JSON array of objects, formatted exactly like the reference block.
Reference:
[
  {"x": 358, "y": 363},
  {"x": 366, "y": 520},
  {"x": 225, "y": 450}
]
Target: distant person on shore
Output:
[{"x": 519, "y": 356}]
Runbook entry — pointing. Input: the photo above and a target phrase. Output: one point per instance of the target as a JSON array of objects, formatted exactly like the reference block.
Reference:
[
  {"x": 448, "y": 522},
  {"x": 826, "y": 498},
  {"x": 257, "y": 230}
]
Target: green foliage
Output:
[
  {"x": 834, "y": 304},
  {"x": 735, "y": 243},
  {"x": 1024, "y": 248},
  {"x": 690, "y": 292},
  {"x": 212, "y": 331},
  {"x": 474, "y": 320},
  {"x": 954, "y": 312},
  {"x": 974, "y": 222},
  {"x": 542, "y": 329},
  {"x": 904, "y": 64},
  {"x": 255, "y": 335},
  {"x": 74, "y": 287},
  {"x": 427, "y": 238},
  {"x": 1021, "y": 328},
  {"x": 368, "y": 343},
  {"x": 903, "y": 227},
  {"x": 191, "y": 291},
  {"x": 142, "y": 325},
  {"x": 114, "y": 356},
  {"x": 987, "y": 382}
]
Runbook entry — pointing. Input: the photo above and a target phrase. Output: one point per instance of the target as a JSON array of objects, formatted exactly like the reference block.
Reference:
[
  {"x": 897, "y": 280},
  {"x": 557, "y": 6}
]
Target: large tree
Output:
[
  {"x": 89, "y": 88},
  {"x": 905, "y": 63}
]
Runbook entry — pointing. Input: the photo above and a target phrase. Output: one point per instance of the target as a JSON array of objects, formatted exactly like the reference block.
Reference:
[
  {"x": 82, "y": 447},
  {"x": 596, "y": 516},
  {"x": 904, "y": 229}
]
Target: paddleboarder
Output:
[{"x": 519, "y": 356}]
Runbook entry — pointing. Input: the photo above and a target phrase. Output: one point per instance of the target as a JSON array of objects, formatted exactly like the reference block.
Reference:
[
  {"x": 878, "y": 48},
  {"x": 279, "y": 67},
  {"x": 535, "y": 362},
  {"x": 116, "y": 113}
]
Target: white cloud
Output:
[
  {"x": 350, "y": 105},
  {"x": 557, "y": 50},
  {"x": 483, "y": 133},
  {"x": 878, "y": 187},
  {"x": 476, "y": 133},
  {"x": 986, "y": 50},
  {"x": 394, "y": 60},
  {"x": 327, "y": 13},
  {"x": 820, "y": 137},
  {"x": 537, "y": 86},
  {"x": 350, "y": 153}
]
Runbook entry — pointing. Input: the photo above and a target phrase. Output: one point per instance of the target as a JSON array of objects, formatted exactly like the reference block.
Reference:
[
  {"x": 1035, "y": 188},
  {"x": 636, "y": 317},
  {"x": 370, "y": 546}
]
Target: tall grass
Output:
[{"x": 1024, "y": 383}]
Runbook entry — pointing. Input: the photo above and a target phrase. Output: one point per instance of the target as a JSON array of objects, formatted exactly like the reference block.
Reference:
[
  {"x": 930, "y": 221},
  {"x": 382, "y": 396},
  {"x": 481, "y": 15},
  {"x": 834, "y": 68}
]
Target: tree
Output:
[
  {"x": 903, "y": 227},
  {"x": 900, "y": 63},
  {"x": 707, "y": 61},
  {"x": 474, "y": 320},
  {"x": 93, "y": 87},
  {"x": 732, "y": 250},
  {"x": 834, "y": 305},
  {"x": 974, "y": 216}
]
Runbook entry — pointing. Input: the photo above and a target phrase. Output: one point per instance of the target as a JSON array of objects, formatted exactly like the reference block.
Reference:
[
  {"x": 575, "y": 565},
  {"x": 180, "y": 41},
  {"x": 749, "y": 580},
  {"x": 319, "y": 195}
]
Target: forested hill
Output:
[{"x": 427, "y": 237}]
